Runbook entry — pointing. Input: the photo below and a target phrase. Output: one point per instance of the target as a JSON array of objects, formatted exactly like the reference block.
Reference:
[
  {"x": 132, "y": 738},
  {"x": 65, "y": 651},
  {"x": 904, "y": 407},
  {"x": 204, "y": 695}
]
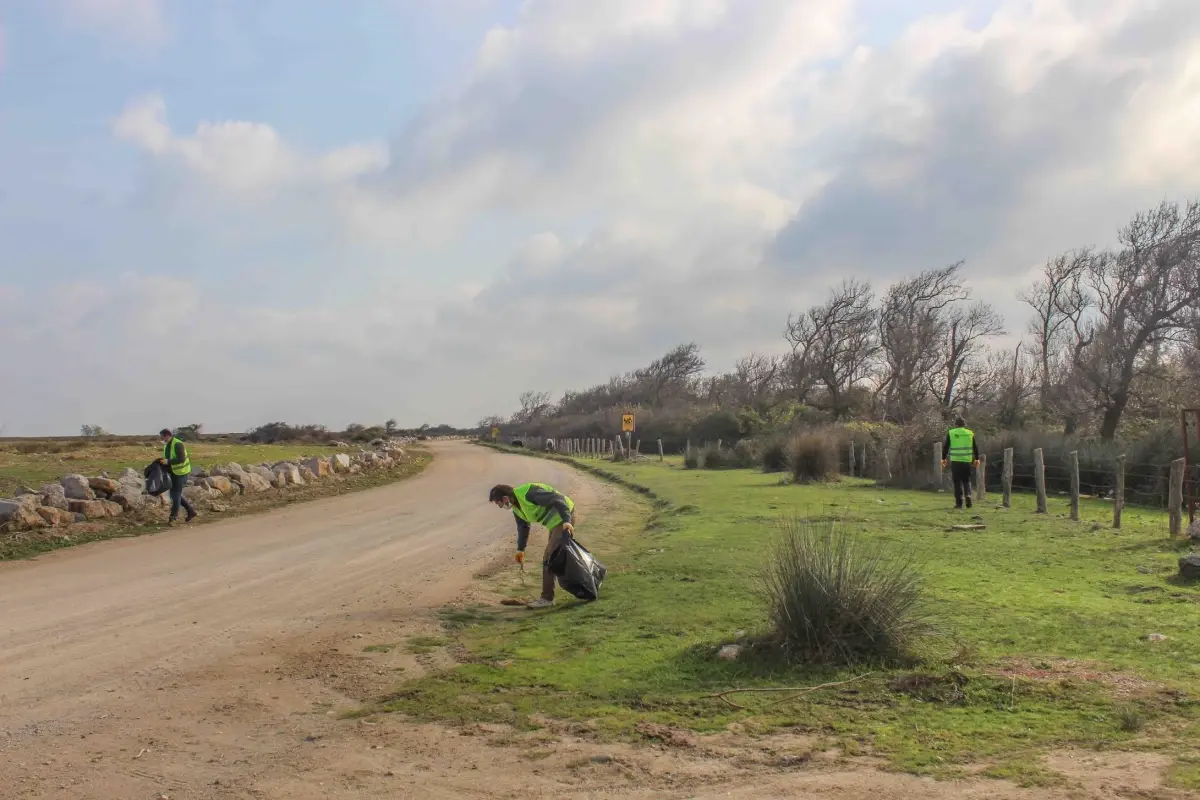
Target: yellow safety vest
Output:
[
  {"x": 962, "y": 445},
  {"x": 169, "y": 452}
]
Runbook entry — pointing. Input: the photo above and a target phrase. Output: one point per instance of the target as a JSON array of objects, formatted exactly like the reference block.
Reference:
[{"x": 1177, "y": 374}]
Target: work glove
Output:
[
  {"x": 569, "y": 528},
  {"x": 520, "y": 557},
  {"x": 976, "y": 465},
  {"x": 944, "y": 462}
]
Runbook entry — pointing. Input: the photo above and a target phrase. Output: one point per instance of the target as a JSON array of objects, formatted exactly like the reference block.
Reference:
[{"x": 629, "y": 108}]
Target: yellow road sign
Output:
[
  {"x": 627, "y": 423},
  {"x": 495, "y": 433}
]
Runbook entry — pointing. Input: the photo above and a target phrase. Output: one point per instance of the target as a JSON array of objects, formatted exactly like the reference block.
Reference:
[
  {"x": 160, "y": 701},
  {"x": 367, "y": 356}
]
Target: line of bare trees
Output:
[{"x": 1114, "y": 334}]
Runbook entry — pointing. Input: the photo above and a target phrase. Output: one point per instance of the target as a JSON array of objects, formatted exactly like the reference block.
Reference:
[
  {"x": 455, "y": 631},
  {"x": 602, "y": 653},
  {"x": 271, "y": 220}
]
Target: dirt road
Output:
[{"x": 214, "y": 662}]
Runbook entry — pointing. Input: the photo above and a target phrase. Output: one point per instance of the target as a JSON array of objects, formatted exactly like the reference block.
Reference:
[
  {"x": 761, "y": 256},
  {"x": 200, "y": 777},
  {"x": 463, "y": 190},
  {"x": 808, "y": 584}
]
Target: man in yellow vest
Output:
[
  {"x": 537, "y": 502},
  {"x": 175, "y": 458},
  {"x": 962, "y": 453}
]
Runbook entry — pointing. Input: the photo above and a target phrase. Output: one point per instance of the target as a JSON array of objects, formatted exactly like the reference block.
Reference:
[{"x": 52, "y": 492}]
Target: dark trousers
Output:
[
  {"x": 552, "y": 543},
  {"x": 177, "y": 498},
  {"x": 960, "y": 473}
]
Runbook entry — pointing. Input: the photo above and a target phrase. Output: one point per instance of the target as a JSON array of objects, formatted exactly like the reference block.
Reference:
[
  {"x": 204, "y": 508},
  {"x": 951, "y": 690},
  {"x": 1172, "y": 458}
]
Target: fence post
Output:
[
  {"x": 638, "y": 449},
  {"x": 939, "y": 482},
  {"x": 851, "y": 461},
  {"x": 1119, "y": 493},
  {"x": 687, "y": 448},
  {"x": 718, "y": 445},
  {"x": 1039, "y": 479},
  {"x": 1175, "y": 498},
  {"x": 661, "y": 457},
  {"x": 1006, "y": 477},
  {"x": 862, "y": 462},
  {"x": 1074, "y": 465},
  {"x": 981, "y": 479},
  {"x": 887, "y": 466}
]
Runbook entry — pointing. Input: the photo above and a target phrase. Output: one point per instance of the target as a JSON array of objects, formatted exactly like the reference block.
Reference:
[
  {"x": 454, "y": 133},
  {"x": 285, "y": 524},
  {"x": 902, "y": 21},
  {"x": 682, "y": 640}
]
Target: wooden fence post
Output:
[
  {"x": 887, "y": 466},
  {"x": 1074, "y": 466},
  {"x": 981, "y": 479},
  {"x": 687, "y": 448},
  {"x": 1119, "y": 493},
  {"x": 1039, "y": 479},
  {"x": 1006, "y": 477},
  {"x": 638, "y": 449},
  {"x": 1175, "y": 497},
  {"x": 661, "y": 457},
  {"x": 851, "y": 461},
  {"x": 938, "y": 482},
  {"x": 718, "y": 445},
  {"x": 862, "y": 462}
]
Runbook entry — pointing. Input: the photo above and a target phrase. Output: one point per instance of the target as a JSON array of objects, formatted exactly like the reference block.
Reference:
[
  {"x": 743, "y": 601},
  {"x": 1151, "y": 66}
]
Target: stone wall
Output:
[{"x": 79, "y": 498}]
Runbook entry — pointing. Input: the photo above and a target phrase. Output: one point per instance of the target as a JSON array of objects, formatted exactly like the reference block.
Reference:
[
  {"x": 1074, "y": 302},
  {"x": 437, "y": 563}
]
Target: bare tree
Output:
[
  {"x": 967, "y": 331},
  {"x": 835, "y": 342},
  {"x": 533, "y": 406},
  {"x": 671, "y": 377},
  {"x": 1007, "y": 381},
  {"x": 1145, "y": 296},
  {"x": 1058, "y": 300},
  {"x": 755, "y": 382},
  {"x": 913, "y": 325}
]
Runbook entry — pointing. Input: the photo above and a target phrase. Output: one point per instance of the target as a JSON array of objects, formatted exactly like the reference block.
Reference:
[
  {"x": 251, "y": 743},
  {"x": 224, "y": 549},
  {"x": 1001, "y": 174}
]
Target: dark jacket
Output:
[{"x": 547, "y": 499}]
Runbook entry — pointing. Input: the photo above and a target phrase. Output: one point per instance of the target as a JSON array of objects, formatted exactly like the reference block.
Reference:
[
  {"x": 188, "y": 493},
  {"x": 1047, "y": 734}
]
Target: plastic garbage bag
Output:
[
  {"x": 577, "y": 570},
  {"x": 158, "y": 479}
]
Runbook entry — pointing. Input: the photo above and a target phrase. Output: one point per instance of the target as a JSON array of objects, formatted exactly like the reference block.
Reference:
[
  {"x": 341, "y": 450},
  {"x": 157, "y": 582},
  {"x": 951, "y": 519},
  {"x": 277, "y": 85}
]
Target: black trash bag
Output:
[
  {"x": 158, "y": 479},
  {"x": 577, "y": 570}
]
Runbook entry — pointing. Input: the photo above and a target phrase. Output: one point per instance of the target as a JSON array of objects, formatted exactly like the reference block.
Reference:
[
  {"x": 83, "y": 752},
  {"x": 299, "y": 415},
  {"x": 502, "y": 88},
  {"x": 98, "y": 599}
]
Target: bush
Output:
[
  {"x": 813, "y": 458},
  {"x": 745, "y": 454},
  {"x": 691, "y": 460},
  {"x": 712, "y": 458},
  {"x": 834, "y": 598},
  {"x": 775, "y": 456}
]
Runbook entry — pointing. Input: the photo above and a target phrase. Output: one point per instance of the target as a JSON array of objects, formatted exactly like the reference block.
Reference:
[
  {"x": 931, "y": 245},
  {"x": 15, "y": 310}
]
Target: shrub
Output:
[
  {"x": 691, "y": 460},
  {"x": 813, "y": 458},
  {"x": 835, "y": 598},
  {"x": 775, "y": 456},
  {"x": 745, "y": 454},
  {"x": 712, "y": 458}
]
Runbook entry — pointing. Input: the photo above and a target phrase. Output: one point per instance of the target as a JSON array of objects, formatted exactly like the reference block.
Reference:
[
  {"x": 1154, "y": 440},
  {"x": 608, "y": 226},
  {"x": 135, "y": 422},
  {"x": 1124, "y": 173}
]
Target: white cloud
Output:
[
  {"x": 139, "y": 22},
  {"x": 658, "y": 171}
]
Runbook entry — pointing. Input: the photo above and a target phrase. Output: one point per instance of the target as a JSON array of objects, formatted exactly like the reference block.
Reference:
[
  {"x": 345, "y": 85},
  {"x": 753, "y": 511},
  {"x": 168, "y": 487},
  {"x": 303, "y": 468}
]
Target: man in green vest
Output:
[
  {"x": 962, "y": 453},
  {"x": 537, "y": 502},
  {"x": 175, "y": 458}
]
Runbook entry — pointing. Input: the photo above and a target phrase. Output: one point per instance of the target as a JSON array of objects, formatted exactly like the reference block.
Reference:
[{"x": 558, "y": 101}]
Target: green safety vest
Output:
[
  {"x": 962, "y": 444},
  {"x": 169, "y": 452},
  {"x": 532, "y": 512}
]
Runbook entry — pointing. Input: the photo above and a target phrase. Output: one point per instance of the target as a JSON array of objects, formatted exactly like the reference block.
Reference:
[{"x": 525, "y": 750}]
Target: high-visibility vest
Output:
[
  {"x": 962, "y": 444},
  {"x": 532, "y": 512},
  {"x": 169, "y": 453}
]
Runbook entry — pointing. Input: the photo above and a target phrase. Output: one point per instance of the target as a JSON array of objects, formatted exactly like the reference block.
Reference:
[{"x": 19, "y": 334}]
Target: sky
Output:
[{"x": 231, "y": 212}]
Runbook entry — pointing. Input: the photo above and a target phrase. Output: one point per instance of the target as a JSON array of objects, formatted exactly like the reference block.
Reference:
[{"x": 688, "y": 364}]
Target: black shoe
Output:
[
  {"x": 191, "y": 516},
  {"x": 968, "y": 502}
]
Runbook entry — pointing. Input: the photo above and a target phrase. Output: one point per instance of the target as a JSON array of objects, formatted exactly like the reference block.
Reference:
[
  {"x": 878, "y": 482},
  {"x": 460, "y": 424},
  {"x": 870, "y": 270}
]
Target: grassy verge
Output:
[
  {"x": 1048, "y": 621},
  {"x": 32, "y": 463},
  {"x": 32, "y": 543}
]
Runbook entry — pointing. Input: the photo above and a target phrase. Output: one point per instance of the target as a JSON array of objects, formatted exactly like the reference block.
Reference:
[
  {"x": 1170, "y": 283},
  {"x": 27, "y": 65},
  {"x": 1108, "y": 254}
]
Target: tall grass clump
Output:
[
  {"x": 775, "y": 456},
  {"x": 714, "y": 458},
  {"x": 691, "y": 460},
  {"x": 813, "y": 458},
  {"x": 835, "y": 598}
]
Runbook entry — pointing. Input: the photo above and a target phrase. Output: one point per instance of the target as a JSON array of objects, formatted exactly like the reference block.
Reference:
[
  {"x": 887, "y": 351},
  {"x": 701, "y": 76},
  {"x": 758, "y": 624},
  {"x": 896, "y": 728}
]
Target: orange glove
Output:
[
  {"x": 569, "y": 528},
  {"x": 977, "y": 463},
  {"x": 520, "y": 557},
  {"x": 944, "y": 462}
]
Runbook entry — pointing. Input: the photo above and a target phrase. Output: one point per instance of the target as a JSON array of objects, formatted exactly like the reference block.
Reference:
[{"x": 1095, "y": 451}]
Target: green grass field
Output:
[
  {"x": 34, "y": 462},
  {"x": 1045, "y": 623}
]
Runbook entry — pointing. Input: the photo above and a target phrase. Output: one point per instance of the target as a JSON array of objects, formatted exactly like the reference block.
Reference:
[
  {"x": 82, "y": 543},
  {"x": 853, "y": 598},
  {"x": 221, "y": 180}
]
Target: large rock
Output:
[
  {"x": 112, "y": 509},
  {"x": 55, "y": 517},
  {"x": 262, "y": 471},
  {"x": 340, "y": 463},
  {"x": 221, "y": 484},
  {"x": 1193, "y": 531},
  {"x": 307, "y": 475},
  {"x": 54, "y": 495},
  {"x": 104, "y": 485},
  {"x": 90, "y": 509},
  {"x": 232, "y": 471},
  {"x": 132, "y": 490},
  {"x": 287, "y": 474},
  {"x": 77, "y": 487},
  {"x": 200, "y": 494},
  {"x": 26, "y": 518},
  {"x": 1189, "y": 567},
  {"x": 253, "y": 483},
  {"x": 319, "y": 467}
]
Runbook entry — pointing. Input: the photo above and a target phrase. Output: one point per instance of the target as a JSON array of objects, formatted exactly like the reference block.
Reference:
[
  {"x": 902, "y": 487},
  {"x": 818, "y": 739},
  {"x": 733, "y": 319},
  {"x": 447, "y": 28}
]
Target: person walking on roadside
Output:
[
  {"x": 537, "y": 502},
  {"x": 175, "y": 458},
  {"x": 962, "y": 453}
]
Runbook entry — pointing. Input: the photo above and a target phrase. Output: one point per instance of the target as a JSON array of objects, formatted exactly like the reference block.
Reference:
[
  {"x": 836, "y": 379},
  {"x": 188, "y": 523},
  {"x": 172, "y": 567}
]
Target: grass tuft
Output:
[
  {"x": 813, "y": 459},
  {"x": 838, "y": 599}
]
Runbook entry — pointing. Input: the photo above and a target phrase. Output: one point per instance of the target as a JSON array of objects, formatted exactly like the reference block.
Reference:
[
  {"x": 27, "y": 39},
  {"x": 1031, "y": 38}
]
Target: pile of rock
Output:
[{"x": 76, "y": 498}]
